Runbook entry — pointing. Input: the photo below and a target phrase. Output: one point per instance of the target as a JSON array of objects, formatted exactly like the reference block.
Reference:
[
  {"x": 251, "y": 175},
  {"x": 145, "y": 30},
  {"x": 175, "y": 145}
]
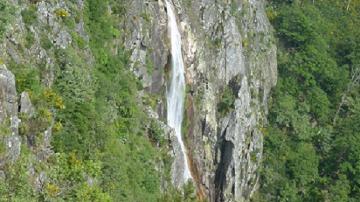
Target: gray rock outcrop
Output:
[
  {"x": 228, "y": 50},
  {"x": 26, "y": 106},
  {"x": 226, "y": 45},
  {"x": 9, "y": 120}
]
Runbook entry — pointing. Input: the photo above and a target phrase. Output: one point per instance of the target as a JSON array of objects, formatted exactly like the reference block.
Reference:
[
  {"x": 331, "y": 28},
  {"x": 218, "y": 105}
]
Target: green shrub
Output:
[
  {"x": 61, "y": 12},
  {"x": 29, "y": 39},
  {"x": 16, "y": 185},
  {"x": 156, "y": 133},
  {"x": 27, "y": 77},
  {"x": 186, "y": 193},
  {"x": 29, "y": 15},
  {"x": 5, "y": 128},
  {"x": 45, "y": 42},
  {"x": 81, "y": 43},
  {"x": 6, "y": 16},
  {"x": 226, "y": 103}
]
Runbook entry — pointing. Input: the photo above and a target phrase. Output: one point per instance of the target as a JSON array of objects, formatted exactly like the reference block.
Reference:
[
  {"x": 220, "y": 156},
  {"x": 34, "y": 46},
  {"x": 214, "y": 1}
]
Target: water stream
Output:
[{"x": 176, "y": 91}]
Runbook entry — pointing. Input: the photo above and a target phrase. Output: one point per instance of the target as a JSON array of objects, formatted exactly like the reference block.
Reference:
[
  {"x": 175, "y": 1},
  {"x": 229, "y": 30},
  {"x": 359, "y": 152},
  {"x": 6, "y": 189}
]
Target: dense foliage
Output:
[
  {"x": 102, "y": 118},
  {"x": 312, "y": 147},
  {"x": 105, "y": 147},
  {"x": 6, "y": 10}
]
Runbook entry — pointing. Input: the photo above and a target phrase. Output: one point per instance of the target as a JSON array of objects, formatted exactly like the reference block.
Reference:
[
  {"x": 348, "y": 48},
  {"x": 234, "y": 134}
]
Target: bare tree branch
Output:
[
  {"x": 348, "y": 5},
  {"x": 355, "y": 78}
]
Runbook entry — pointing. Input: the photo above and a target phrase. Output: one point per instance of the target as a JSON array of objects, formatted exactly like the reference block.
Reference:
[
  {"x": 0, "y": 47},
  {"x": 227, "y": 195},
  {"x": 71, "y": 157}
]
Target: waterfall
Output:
[{"x": 176, "y": 91}]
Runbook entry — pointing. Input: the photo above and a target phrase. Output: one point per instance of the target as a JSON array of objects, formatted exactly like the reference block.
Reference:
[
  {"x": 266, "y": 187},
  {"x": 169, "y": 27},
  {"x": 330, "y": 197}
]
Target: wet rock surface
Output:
[{"x": 226, "y": 45}]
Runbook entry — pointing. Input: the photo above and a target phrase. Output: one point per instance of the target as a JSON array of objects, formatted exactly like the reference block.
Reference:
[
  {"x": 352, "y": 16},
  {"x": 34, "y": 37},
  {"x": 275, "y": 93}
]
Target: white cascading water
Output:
[{"x": 176, "y": 92}]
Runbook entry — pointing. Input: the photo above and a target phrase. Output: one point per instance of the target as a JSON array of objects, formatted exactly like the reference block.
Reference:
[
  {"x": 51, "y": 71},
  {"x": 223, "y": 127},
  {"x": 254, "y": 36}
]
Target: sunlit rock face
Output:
[
  {"x": 31, "y": 44},
  {"x": 8, "y": 116},
  {"x": 230, "y": 67}
]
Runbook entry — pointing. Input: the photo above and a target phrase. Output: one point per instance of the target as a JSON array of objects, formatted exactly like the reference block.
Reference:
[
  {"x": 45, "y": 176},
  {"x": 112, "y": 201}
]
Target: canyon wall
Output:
[{"x": 230, "y": 64}]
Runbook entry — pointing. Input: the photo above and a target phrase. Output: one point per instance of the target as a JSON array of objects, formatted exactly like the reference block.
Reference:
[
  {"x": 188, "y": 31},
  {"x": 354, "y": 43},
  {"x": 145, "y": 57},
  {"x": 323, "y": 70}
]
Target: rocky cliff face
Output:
[
  {"x": 230, "y": 60},
  {"x": 9, "y": 120},
  {"x": 34, "y": 35},
  {"x": 230, "y": 64}
]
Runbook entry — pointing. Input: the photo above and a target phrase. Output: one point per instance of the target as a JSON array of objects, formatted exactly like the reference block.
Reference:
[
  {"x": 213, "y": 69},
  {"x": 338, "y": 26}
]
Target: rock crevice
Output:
[{"x": 228, "y": 44}]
